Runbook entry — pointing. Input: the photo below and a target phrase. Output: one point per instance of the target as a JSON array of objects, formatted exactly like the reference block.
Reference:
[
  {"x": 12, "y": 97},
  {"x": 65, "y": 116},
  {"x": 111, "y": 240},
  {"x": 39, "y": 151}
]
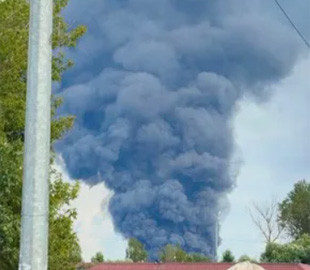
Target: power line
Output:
[{"x": 292, "y": 23}]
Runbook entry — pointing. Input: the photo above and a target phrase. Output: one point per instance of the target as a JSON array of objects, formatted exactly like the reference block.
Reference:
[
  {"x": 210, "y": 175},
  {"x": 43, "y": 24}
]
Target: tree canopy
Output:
[
  {"x": 136, "y": 251},
  {"x": 64, "y": 250},
  {"x": 174, "y": 253},
  {"x": 295, "y": 210},
  {"x": 294, "y": 216},
  {"x": 246, "y": 258},
  {"x": 98, "y": 258},
  {"x": 228, "y": 256},
  {"x": 297, "y": 251}
]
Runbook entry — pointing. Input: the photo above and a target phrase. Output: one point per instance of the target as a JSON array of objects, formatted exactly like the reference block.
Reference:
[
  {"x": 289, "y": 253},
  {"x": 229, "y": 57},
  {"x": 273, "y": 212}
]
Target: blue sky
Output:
[
  {"x": 171, "y": 99},
  {"x": 273, "y": 145}
]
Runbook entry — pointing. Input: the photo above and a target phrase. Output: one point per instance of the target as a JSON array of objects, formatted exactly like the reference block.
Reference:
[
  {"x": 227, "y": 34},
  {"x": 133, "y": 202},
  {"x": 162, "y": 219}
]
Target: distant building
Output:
[{"x": 196, "y": 266}]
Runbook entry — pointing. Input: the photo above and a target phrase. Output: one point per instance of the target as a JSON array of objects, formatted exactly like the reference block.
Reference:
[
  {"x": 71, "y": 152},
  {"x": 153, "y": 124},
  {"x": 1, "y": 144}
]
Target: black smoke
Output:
[{"x": 154, "y": 91}]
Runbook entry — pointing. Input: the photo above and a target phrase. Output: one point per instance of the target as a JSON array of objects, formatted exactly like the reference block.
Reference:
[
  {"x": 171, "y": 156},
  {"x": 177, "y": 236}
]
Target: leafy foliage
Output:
[
  {"x": 171, "y": 253},
  {"x": 136, "y": 251},
  {"x": 11, "y": 157},
  {"x": 64, "y": 250},
  {"x": 13, "y": 63},
  {"x": 168, "y": 253},
  {"x": 98, "y": 258},
  {"x": 295, "y": 210},
  {"x": 246, "y": 258},
  {"x": 14, "y": 16},
  {"x": 196, "y": 257},
  {"x": 62, "y": 37},
  {"x": 297, "y": 251},
  {"x": 228, "y": 256}
]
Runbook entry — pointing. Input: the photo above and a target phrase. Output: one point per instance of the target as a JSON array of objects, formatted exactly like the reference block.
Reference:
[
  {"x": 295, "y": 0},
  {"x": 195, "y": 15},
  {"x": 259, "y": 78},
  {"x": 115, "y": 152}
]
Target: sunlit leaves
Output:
[{"x": 64, "y": 250}]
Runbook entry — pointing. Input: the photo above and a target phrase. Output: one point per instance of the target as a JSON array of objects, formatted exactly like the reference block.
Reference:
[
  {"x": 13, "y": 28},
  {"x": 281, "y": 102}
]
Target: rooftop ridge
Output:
[
  {"x": 192, "y": 266},
  {"x": 303, "y": 266}
]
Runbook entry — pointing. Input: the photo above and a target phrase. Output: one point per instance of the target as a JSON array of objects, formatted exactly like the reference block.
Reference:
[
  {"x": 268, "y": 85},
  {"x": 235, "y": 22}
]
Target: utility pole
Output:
[{"x": 35, "y": 201}]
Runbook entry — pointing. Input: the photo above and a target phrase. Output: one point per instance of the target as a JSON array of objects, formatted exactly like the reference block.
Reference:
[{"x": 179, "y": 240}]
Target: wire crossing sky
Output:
[{"x": 292, "y": 23}]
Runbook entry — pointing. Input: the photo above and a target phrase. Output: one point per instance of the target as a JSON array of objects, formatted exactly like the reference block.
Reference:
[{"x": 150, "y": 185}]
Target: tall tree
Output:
[
  {"x": 136, "y": 251},
  {"x": 64, "y": 250},
  {"x": 265, "y": 218},
  {"x": 295, "y": 210}
]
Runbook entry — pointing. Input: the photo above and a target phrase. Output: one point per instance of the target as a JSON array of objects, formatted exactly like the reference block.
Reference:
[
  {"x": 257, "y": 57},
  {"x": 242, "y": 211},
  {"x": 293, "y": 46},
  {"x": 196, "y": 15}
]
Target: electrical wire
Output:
[{"x": 292, "y": 23}]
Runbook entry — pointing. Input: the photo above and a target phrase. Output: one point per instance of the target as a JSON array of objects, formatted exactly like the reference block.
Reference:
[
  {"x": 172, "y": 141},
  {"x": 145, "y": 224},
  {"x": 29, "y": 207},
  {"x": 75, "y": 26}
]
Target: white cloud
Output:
[
  {"x": 94, "y": 225},
  {"x": 273, "y": 141}
]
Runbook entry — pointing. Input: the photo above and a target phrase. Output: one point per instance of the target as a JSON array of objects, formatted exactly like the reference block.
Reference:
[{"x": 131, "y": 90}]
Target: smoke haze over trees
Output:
[{"x": 154, "y": 90}]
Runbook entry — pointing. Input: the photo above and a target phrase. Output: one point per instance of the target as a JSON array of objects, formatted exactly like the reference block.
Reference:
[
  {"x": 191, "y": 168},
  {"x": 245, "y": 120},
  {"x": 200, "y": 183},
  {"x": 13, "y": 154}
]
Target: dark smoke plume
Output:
[{"x": 154, "y": 91}]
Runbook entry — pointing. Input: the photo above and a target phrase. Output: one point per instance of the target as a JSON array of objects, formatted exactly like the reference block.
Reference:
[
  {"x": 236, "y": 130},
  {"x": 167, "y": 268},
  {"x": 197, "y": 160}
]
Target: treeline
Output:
[
  {"x": 289, "y": 235},
  {"x": 136, "y": 252},
  {"x": 169, "y": 253},
  {"x": 64, "y": 249},
  {"x": 297, "y": 251},
  {"x": 288, "y": 222},
  {"x": 285, "y": 227}
]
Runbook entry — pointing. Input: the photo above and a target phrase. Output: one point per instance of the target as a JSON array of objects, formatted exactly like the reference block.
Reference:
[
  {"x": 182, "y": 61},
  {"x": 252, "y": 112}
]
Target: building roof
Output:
[
  {"x": 191, "y": 266},
  {"x": 246, "y": 266}
]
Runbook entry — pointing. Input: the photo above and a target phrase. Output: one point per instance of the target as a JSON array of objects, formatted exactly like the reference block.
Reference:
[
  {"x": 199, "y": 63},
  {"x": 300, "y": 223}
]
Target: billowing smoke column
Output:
[{"x": 154, "y": 90}]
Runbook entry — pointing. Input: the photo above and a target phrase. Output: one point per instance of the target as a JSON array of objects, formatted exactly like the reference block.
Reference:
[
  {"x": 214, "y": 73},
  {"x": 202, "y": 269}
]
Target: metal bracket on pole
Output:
[{"x": 35, "y": 201}]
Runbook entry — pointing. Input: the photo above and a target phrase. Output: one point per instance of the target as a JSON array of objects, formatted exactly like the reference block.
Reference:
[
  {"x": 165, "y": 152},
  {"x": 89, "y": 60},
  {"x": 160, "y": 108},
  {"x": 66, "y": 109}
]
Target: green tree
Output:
[
  {"x": 228, "y": 256},
  {"x": 10, "y": 201},
  {"x": 295, "y": 210},
  {"x": 98, "y": 258},
  {"x": 167, "y": 254},
  {"x": 172, "y": 253},
  {"x": 196, "y": 257},
  {"x": 246, "y": 258},
  {"x": 136, "y": 251},
  {"x": 14, "y": 16},
  {"x": 180, "y": 255},
  {"x": 297, "y": 251},
  {"x": 64, "y": 250}
]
